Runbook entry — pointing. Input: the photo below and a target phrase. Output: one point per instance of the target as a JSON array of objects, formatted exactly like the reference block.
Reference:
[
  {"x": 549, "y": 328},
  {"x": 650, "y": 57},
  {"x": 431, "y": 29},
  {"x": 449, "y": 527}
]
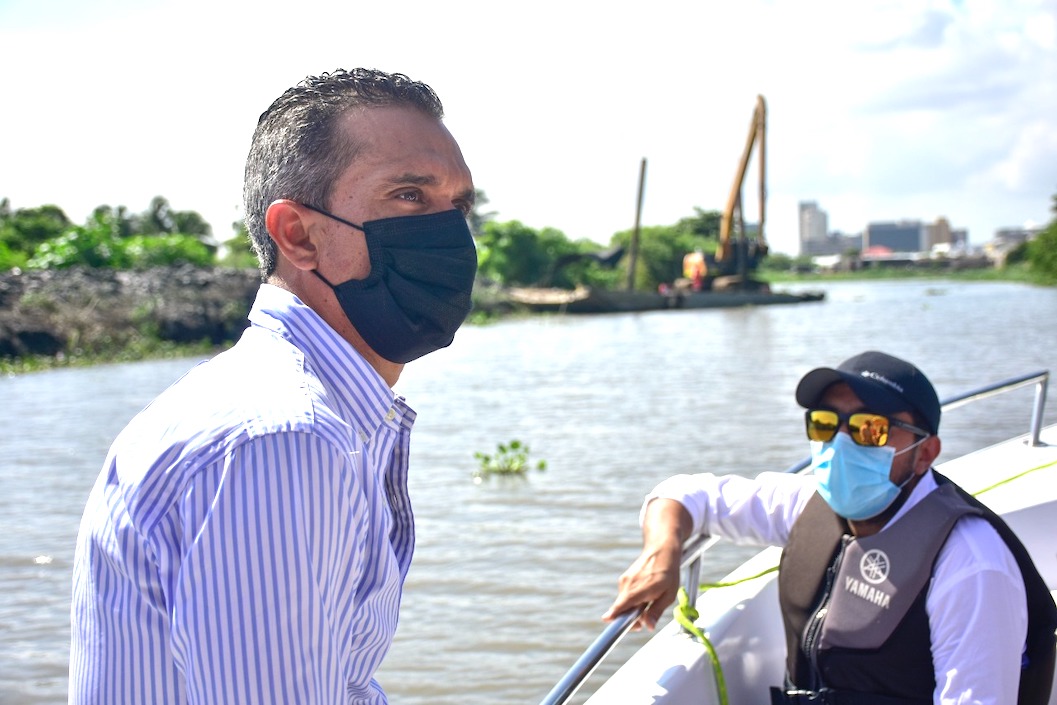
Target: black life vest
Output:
[{"x": 873, "y": 640}]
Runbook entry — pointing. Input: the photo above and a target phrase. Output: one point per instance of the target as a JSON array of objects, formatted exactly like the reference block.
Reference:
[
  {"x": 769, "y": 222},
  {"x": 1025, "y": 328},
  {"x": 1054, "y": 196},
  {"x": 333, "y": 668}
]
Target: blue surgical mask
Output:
[{"x": 854, "y": 479}]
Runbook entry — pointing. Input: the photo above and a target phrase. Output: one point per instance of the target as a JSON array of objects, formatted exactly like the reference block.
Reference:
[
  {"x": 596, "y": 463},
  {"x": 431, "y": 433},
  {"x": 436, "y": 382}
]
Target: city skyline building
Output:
[
  {"x": 898, "y": 236},
  {"x": 894, "y": 236},
  {"x": 814, "y": 229},
  {"x": 815, "y": 238}
]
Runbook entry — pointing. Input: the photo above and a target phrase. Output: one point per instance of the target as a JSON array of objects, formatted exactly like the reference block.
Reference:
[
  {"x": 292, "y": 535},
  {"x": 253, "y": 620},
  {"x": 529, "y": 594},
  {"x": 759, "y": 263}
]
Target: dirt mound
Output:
[{"x": 83, "y": 310}]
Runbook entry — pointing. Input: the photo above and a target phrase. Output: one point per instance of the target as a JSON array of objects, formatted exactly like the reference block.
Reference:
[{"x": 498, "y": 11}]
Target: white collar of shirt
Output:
[
  {"x": 926, "y": 485},
  {"x": 356, "y": 388}
]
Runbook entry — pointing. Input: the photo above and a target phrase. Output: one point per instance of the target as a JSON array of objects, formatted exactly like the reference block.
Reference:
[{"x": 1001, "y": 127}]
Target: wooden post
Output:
[{"x": 633, "y": 255}]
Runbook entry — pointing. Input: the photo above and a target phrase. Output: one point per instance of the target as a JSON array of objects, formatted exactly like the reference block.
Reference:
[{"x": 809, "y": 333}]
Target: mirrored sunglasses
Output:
[{"x": 865, "y": 428}]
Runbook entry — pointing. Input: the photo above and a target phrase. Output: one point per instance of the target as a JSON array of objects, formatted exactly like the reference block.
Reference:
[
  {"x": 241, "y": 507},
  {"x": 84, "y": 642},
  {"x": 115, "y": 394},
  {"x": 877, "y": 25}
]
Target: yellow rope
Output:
[
  {"x": 686, "y": 616},
  {"x": 709, "y": 586}
]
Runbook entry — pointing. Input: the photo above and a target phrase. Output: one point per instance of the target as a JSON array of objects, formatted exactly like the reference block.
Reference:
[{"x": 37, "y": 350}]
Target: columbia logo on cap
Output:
[{"x": 882, "y": 379}]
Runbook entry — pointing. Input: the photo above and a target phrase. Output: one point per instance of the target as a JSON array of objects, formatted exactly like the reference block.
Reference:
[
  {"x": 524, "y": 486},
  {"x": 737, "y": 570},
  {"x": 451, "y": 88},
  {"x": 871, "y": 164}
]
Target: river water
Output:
[{"x": 511, "y": 573}]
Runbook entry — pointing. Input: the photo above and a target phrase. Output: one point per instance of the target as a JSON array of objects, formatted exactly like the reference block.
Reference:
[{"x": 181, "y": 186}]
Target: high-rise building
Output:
[
  {"x": 915, "y": 236},
  {"x": 814, "y": 229},
  {"x": 939, "y": 233},
  {"x": 901, "y": 236}
]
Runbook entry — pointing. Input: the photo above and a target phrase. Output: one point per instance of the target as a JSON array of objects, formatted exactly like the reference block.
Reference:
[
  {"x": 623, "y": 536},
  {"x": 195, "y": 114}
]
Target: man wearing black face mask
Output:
[
  {"x": 889, "y": 573},
  {"x": 249, "y": 536}
]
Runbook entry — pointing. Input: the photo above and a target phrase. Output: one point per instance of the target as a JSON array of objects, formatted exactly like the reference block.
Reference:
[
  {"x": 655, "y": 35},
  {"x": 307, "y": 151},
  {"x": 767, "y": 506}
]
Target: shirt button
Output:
[{"x": 391, "y": 414}]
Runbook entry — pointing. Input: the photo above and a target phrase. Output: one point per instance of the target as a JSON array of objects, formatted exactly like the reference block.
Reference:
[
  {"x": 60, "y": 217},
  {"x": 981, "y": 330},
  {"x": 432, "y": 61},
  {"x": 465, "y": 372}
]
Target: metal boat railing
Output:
[
  {"x": 1039, "y": 379},
  {"x": 696, "y": 546},
  {"x": 616, "y": 630}
]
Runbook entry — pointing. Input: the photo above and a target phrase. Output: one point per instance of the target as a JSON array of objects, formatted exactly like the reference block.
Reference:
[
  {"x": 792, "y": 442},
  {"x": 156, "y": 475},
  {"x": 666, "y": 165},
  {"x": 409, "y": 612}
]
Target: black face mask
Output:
[{"x": 418, "y": 292}]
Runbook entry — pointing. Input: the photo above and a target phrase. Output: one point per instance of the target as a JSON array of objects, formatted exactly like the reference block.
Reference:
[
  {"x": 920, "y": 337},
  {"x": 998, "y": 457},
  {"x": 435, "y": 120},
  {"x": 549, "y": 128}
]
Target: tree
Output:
[
  {"x": 514, "y": 254},
  {"x": 779, "y": 262},
  {"x": 477, "y": 219},
  {"x": 702, "y": 224},
  {"x": 94, "y": 244},
  {"x": 191, "y": 223},
  {"x": 663, "y": 247},
  {"x": 157, "y": 219},
  {"x": 238, "y": 250},
  {"x": 121, "y": 221},
  {"x": 107, "y": 240},
  {"x": 1042, "y": 251},
  {"x": 23, "y": 230},
  {"x": 661, "y": 251},
  {"x": 143, "y": 251},
  {"x": 10, "y": 260},
  {"x": 161, "y": 219}
]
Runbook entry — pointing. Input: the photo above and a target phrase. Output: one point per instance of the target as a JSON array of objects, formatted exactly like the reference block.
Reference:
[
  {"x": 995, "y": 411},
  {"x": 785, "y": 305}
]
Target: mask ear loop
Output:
[
  {"x": 909, "y": 448},
  {"x": 330, "y": 215},
  {"x": 325, "y": 280}
]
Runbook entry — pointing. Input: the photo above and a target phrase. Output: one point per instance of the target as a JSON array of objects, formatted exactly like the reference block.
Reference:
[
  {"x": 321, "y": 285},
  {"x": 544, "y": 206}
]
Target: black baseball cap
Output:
[{"x": 885, "y": 384}]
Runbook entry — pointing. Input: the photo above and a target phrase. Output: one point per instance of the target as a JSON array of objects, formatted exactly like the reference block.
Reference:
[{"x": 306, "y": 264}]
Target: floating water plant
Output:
[{"x": 509, "y": 459}]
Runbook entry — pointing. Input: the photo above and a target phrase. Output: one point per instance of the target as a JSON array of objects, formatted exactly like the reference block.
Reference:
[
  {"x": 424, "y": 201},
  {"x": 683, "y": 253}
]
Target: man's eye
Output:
[{"x": 413, "y": 196}]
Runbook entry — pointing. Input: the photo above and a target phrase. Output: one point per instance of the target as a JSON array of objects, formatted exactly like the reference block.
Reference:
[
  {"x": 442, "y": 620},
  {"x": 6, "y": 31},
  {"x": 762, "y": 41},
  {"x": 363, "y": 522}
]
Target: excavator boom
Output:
[{"x": 757, "y": 135}]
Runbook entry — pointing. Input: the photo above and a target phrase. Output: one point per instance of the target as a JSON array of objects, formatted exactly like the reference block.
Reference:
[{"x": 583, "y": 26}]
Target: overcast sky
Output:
[{"x": 877, "y": 110}]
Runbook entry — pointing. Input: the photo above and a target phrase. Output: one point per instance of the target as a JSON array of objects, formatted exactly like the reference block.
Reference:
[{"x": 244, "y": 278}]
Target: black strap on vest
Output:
[
  {"x": 834, "y": 697},
  {"x": 801, "y": 587},
  {"x": 1036, "y": 675}
]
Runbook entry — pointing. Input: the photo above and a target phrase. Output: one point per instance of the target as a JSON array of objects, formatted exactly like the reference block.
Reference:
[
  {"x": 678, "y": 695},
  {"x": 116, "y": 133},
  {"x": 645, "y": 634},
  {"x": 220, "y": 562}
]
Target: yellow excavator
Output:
[{"x": 738, "y": 255}]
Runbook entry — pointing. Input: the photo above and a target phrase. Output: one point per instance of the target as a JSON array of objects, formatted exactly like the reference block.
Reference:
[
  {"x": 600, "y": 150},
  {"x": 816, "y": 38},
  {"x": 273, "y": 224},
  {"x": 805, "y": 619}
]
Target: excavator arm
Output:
[{"x": 725, "y": 253}]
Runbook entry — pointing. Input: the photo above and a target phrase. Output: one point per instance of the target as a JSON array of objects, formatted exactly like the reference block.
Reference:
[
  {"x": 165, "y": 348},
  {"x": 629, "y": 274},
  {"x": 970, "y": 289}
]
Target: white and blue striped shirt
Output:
[{"x": 248, "y": 537}]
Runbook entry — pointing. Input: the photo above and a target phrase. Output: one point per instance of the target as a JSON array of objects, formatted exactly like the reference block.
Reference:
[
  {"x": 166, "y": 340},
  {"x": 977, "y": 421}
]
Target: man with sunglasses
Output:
[{"x": 895, "y": 585}]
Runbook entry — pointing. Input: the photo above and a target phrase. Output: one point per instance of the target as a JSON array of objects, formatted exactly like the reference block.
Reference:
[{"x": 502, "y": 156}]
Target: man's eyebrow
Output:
[{"x": 413, "y": 180}]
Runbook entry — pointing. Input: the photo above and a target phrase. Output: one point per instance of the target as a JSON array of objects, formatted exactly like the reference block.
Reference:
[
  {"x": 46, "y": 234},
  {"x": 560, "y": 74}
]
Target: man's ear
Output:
[
  {"x": 930, "y": 450},
  {"x": 287, "y": 223}
]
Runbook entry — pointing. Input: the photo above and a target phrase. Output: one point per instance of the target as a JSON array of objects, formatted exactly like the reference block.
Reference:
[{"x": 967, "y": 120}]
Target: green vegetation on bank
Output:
[
  {"x": 1021, "y": 272},
  {"x": 514, "y": 255},
  {"x": 114, "y": 238},
  {"x": 510, "y": 254},
  {"x": 135, "y": 351}
]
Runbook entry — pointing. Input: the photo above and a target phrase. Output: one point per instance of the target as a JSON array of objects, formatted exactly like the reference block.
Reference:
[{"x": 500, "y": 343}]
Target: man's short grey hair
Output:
[{"x": 298, "y": 152}]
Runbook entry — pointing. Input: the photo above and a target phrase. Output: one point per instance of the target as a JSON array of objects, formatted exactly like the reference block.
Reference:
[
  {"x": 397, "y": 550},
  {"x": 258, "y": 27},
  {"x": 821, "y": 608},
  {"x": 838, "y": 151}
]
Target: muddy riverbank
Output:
[{"x": 82, "y": 311}]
